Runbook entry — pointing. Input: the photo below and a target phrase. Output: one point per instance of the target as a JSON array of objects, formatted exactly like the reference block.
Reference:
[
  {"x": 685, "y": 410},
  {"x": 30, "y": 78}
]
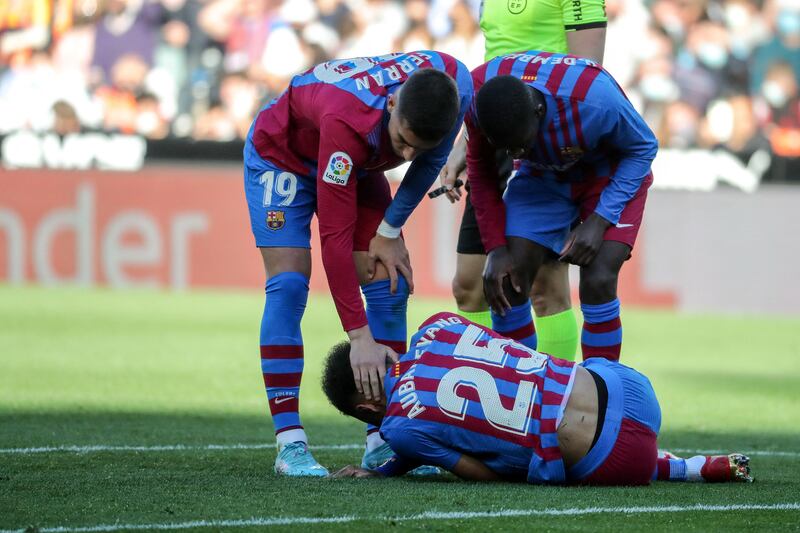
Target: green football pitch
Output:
[{"x": 145, "y": 410}]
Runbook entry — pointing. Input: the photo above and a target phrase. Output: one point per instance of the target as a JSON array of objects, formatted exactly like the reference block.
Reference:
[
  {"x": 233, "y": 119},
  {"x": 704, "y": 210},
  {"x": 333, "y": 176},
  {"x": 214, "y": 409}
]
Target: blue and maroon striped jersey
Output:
[
  {"x": 590, "y": 130},
  {"x": 336, "y": 111},
  {"x": 464, "y": 389}
]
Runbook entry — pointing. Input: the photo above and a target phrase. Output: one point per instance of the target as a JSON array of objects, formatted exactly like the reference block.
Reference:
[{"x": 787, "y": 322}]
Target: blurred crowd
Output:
[{"x": 704, "y": 73}]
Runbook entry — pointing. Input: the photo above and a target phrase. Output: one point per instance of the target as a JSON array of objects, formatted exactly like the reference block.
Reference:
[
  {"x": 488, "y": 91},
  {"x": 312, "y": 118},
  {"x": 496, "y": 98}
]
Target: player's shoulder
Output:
[
  {"x": 440, "y": 321},
  {"x": 442, "y": 61},
  {"x": 433, "y": 58},
  {"x": 575, "y": 79},
  {"x": 447, "y": 328},
  {"x": 357, "y": 119},
  {"x": 597, "y": 94}
]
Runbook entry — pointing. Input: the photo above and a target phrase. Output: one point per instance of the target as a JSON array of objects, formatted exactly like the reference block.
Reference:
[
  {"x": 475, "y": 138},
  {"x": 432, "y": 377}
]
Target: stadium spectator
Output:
[
  {"x": 710, "y": 54},
  {"x": 65, "y": 119},
  {"x": 784, "y": 45},
  {"x": 215, "y": 124},
  {"x": 779, "y": 113},
  {"x": 417, "y": 38},
  {"x": 24, "y": 26},
  {"x": 466, "y": 41},
  {"x": 379, "y": 24},
  {"x": 118, "y": 99},
  {"x": 676, "y": 17},
  {"x": 239, "y": 97},
  {"x": 704, "y": 65},
  {"x": 126, "y": 27},
  {"x": 730, "y": 123},
  {"x": 74, "y": 49},
  {"x": 337, "y": 15},
  {"x": 257, "y": 40},
  {"x": 628, "y": 21},
  {"x": 150, "y": 121},
  {"x": 679, "y": 126}
]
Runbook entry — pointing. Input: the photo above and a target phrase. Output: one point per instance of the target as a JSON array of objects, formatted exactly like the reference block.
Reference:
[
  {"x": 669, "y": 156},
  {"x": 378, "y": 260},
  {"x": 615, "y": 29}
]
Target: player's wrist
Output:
[
  {"x": 497, "y": 249},
  {"x": 388, "y": 231},
  {"x": 360, "y": 334},
  {"x": 601, "y": 220}
]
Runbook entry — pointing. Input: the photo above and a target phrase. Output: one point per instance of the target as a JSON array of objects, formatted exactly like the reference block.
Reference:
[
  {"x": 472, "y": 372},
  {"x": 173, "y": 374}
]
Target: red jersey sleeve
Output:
[
  {"x": 341, "y": 150},
  {"x": 483, "y": 187}
]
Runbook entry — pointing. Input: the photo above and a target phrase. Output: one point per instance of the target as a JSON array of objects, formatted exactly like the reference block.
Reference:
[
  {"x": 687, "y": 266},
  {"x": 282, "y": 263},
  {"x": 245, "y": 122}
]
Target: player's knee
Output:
[
  {"x": 546, "y": 304},
  {"x": 550, "y": 295},
  {"x": 379, "y": 294},
  {"x": 288, "y": 288},
  {"x": 468, "y": 293},
  {"x": 598, "y": 284}
]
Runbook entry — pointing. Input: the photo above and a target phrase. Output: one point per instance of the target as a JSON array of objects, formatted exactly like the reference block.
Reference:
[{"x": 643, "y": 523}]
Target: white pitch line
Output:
[
  {"x": 430, "y": 515},
  {"x": 271, "y": 445},
  {"x": 164, "y": 448},
  {"x": 763, "y": 453}
]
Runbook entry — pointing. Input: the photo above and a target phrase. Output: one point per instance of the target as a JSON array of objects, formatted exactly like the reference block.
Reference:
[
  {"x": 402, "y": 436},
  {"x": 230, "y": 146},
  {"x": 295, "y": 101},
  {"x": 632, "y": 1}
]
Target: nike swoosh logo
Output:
[
  {"x": 624, "y": 225},
  {"x": 283, "y": 399}
]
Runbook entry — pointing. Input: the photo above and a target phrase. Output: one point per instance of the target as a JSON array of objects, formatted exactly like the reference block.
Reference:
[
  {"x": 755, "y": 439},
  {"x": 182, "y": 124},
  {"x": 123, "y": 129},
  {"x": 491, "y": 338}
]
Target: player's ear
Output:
[
  {"x": 367, "y": 407},
  {"x": 391, "y": 102}
]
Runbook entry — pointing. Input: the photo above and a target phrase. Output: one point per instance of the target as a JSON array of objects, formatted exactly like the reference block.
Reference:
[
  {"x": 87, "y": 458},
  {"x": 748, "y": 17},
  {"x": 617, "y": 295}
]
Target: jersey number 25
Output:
[{"x": 515, "y": 420}]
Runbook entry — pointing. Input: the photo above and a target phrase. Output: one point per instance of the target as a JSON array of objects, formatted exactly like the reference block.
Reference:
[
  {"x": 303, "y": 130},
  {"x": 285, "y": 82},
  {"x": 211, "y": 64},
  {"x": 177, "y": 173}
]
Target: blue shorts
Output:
[
  {"x": 282, "y": 204},
  {"x": 631, "y": 402},
  {"x": 544, "y": 210}
]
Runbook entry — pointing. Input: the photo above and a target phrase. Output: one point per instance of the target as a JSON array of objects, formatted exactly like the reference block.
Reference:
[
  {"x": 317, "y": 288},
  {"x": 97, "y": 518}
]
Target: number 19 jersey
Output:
[{"x": 464, "y": 389}]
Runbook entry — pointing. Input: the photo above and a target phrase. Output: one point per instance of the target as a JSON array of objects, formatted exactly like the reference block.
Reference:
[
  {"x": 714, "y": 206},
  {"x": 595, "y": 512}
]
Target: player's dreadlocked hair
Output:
[
  {"x": 429, "y": 103},
  {"x": 506, "y": 109},
  {"x": 337, "y": 379}
]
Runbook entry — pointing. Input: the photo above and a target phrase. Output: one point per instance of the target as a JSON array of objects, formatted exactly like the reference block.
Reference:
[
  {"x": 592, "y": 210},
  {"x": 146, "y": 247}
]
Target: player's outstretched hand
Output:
[
  {"x": 355, "y": 472},
  {"x": 584, "y": 241},
  {"x": 454, "y": 167},
  {"x": 394, "y": 256},
  {"x": 368, "y": 360},
  {"x": 499, "y": 266}
]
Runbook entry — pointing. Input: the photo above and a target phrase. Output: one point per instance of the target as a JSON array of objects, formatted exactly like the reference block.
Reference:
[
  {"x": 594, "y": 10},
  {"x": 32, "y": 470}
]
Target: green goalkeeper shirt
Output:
[{"x": 518, "y": 25}]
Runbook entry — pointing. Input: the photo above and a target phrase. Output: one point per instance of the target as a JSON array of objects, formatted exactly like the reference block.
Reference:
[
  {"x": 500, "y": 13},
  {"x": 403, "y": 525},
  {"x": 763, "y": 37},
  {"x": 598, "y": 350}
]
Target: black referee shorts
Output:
[{"x": 469, "y": 237}]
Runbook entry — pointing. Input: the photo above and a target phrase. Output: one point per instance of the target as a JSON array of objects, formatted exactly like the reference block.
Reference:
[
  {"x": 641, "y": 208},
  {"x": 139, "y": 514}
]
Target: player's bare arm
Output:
[
  {"x": 471, "y": 469},
  {"x": 589, "y": 42},
  {"x": 355, "y": 472},
  {"x": 467, "y": 468},
  {"x": 585, "y": 28}
]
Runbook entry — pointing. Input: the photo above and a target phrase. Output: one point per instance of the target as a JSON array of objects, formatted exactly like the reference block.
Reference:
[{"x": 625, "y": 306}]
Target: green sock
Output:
[
  {"x": 558, "y": 334},
  {"x": 484, "y": 318}
]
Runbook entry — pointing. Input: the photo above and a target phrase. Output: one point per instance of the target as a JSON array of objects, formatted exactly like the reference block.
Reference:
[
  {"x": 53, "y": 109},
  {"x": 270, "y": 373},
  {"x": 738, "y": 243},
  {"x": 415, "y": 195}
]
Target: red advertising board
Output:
[{"x": 180, "y": 227}]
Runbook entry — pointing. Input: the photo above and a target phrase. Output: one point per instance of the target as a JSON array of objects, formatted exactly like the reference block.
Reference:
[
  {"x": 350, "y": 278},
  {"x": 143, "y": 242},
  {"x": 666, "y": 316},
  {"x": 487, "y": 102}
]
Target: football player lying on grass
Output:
[{"x": 487, "y": 408}]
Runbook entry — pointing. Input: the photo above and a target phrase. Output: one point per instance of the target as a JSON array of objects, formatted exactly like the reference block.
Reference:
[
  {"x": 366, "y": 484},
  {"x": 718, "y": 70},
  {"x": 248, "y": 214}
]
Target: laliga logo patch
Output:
[
  {"x": 338, "y": 170},
  {"x": 276, "y": 220}
]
